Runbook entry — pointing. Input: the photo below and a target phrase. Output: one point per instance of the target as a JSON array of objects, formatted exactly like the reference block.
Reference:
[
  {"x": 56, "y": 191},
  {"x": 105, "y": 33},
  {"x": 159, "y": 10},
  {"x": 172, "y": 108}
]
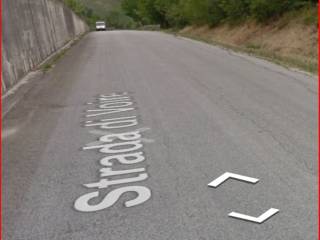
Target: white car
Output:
[{"x": 101, "y": 26}]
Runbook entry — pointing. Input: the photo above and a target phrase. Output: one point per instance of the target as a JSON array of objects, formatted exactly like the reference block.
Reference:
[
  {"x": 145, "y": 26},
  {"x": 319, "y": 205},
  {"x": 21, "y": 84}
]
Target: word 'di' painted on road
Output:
[{"x": 122, "y": 147}]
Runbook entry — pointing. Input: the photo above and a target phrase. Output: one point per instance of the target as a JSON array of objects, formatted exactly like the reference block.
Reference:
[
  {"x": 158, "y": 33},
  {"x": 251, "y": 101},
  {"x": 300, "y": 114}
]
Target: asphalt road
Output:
[{"x": 201, "y": 111}]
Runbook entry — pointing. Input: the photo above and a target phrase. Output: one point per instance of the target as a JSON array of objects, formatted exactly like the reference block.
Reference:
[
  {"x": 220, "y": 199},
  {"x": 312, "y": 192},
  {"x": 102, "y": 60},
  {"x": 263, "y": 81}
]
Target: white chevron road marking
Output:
[
  {"x": 215, "y": 183},
  {"x": 263, "y": 217}
]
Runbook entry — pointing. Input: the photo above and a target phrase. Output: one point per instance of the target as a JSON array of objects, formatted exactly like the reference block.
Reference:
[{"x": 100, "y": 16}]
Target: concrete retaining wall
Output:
[{"x": 32, "y": 31}]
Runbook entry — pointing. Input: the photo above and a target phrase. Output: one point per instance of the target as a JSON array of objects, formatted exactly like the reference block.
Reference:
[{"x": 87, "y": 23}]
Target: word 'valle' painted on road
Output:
[{"x": 122, "y": 148}]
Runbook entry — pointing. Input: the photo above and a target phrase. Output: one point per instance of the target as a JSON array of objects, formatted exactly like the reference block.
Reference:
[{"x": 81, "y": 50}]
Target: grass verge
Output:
[{"x": 258, "y": 51}]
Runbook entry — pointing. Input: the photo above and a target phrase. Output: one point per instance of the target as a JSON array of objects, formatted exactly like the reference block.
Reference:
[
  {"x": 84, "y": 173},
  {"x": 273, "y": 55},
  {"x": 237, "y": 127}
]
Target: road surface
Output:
[{"x": 188, "y": 112}]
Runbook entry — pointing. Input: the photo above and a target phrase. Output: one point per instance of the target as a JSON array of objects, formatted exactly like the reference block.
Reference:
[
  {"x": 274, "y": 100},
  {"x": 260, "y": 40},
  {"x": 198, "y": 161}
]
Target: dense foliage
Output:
[
  {"x": 115, "y": 18},
  {"x": 83, "y": 11},
  {"x": 177, "y": 13}
]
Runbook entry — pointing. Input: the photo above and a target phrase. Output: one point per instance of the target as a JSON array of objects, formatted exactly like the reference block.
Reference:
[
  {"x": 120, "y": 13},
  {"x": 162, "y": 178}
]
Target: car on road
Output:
[{"x": 101, "y": 26}]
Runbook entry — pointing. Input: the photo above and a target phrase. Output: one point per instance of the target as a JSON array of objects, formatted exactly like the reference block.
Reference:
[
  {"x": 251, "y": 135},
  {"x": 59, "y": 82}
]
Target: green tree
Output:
[
  {"x": 175, "y": 15},
  {"x": 216, "y": 14},
  {"x": 130, "y": 8},
  {"x": 119, "y": 20},
  {"x": 82, "y": 11},
  {"x": 235, "y": 10},
  {"x": 178, "y": 13}
]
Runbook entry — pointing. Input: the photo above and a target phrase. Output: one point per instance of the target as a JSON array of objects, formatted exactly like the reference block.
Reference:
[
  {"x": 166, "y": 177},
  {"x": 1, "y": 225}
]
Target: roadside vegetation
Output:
[
  {"x": 284, "y": 31},
  {"x": 290, "y": 40},
  {"x": 180, "y": 13},
  {"x": 102, "y": 10}
]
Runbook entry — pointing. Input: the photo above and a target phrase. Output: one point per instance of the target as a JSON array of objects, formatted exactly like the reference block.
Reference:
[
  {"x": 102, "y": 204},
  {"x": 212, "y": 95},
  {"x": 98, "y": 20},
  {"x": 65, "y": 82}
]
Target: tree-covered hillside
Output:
[
  {"x": 177, "y": 13},
  {"x": 108, "y": 10},
  {"x": 101, "y": 7}
]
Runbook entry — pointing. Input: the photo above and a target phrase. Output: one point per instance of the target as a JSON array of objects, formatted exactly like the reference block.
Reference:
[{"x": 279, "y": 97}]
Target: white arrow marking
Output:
[
  {"x": 215, "y": 183},
  {"x": 261, "y": 219}
]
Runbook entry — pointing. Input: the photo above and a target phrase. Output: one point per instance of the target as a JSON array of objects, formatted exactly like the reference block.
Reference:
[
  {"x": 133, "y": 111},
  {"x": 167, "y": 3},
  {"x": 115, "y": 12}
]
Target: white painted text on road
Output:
[{"x": 124, "y": 148}]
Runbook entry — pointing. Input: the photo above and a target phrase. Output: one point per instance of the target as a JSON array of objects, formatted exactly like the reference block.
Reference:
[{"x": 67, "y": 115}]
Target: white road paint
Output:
[
  {"x": 103, "y": 132},
  {"x": 82, "y": 203},
  {"x": 124, "y": 148},
  {"x": 126, "y": 159},
  {"x": 102, "y": 112},
  {"x": 119, "y": 147},
  {"x": 215, "y": 183},
  {"x": 110, "y": 105},
  {"x": 107, "y": 172},
  {"x": 105, "y": 183},
  {"x": 114, "y": 123},
  {"x": 268, "y": 214}
]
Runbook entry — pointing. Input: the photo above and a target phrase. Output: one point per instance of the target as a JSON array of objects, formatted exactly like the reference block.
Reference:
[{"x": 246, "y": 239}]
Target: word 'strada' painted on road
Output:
[{"x": 122, "y": 148}]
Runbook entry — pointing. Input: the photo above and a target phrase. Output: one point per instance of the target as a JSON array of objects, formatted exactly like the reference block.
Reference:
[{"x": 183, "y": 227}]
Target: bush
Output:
[
  {"x": 310, "y": 16},
  {"x": 175, "y": 16},
  {"x": 82, "y": 11},
  {"x": 235, "y": 10},
  {"x": 196, "y": 11},
  {"x": 216, "y": 13},
  {"x": 178, "y": 13},
  {"x": 118, "y": 19},
  {"x": 262, "y": 10},
  {"x": 130, "y": 8}
]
